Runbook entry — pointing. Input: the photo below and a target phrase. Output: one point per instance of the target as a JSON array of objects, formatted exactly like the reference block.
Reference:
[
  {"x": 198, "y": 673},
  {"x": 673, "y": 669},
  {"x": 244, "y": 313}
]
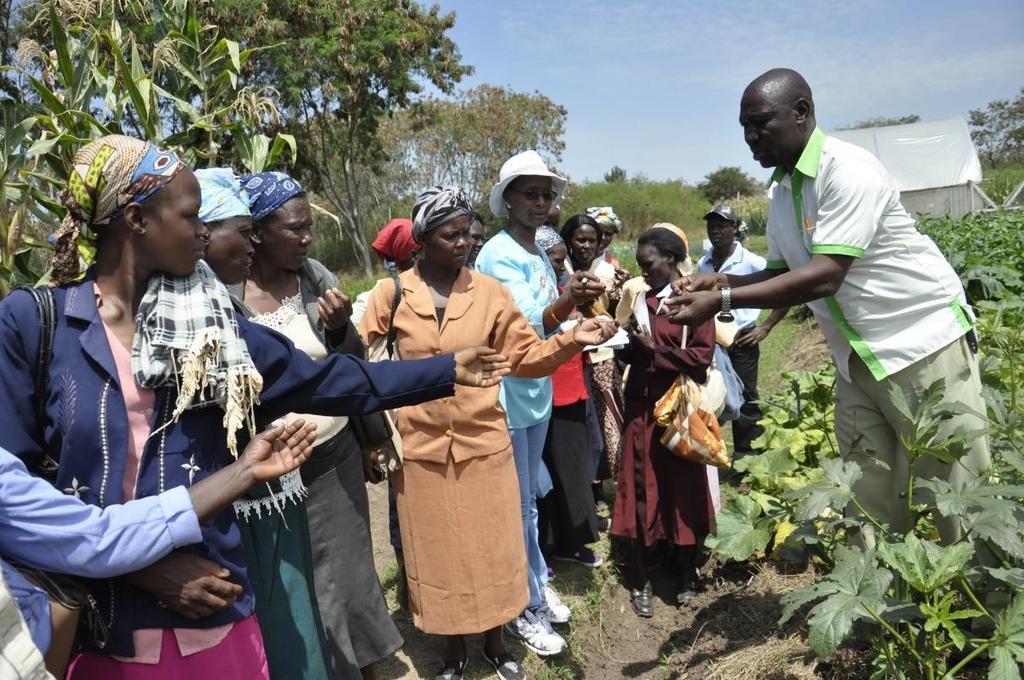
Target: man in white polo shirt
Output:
[
  {"x": 726, "y": 255},
  {"x": 892, "y": 309}
]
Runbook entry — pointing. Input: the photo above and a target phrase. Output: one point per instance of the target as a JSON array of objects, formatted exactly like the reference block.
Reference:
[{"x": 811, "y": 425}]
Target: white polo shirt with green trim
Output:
[{"x": 901, "y": 300}]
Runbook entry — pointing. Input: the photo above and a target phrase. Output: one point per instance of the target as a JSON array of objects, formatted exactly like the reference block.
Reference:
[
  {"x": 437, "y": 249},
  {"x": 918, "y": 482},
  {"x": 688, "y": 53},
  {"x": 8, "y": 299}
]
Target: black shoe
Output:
[
  {"x": 687, "y": 590},
  {"x": 452, "y": 670},
  {"x": 685, "y": 595},
  {"x": 642, "y": 600},
  {"x": 506, "y": 666}
]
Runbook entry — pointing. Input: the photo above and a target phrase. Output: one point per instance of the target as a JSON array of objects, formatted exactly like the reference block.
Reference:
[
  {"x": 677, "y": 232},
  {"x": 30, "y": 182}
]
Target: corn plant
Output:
[{"x": 97, "y": 72}]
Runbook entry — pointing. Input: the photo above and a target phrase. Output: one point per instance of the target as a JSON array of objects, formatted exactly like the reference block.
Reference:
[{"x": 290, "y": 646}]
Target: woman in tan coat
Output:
[{"x": 458, "y": 496}]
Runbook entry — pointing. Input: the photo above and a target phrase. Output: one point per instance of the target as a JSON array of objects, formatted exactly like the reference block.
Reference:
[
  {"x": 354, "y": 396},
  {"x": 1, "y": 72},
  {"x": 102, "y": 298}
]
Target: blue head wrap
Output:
[
  {"x": 223, "y": 195},
  {"x": 268, "y": 191}
]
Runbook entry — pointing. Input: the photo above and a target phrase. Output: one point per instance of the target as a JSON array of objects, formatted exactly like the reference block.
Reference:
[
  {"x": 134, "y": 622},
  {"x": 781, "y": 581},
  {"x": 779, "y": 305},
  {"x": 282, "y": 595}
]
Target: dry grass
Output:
[
  {"x": 773, "y": 659},
  {"x": 783, "y": 657},
  {"x": 771, "y": 579}
]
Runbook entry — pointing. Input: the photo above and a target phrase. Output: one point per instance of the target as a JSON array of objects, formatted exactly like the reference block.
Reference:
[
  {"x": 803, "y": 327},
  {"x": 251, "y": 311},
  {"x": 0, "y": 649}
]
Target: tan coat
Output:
[{"x": 480, "y": 312}]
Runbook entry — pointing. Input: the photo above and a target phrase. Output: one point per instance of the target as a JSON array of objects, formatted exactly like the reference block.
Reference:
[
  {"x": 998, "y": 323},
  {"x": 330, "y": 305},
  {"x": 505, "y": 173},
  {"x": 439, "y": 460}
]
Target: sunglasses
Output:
[{"x": 531, "y": 195}]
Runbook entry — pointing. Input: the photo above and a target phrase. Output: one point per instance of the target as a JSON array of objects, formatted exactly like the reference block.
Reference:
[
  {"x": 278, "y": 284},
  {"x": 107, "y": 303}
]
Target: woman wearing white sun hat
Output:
[{"x": 524, "y": 194}]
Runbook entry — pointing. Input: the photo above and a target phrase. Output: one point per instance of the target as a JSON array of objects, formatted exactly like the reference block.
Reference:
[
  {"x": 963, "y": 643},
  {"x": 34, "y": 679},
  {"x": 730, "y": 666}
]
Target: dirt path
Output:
[{"x": 729, "y": 631}]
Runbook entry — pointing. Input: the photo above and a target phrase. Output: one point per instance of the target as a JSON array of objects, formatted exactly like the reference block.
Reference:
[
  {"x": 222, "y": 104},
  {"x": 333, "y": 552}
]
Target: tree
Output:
[
  {"x": 727, "y": 182},
  {"x": 998, "y": 130},
  {"x": 882, "y": 121},
  {"x": 344, "y": 68},
  {"x": 465, "y": 140},
  {"x": 616, "y": 174}
]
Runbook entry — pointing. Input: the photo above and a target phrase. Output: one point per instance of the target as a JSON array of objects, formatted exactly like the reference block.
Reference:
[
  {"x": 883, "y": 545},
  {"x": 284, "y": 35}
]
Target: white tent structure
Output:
[{"x": 934, "y": 164}]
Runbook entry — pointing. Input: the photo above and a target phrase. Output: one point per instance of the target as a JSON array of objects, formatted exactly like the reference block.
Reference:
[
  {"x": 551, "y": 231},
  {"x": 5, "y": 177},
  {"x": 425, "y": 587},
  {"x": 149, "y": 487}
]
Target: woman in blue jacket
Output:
[{"x": 151, "y": 379}]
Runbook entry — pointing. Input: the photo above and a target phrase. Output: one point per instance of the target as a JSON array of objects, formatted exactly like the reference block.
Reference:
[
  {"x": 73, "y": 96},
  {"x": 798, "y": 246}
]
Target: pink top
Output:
[{"x": 138, "y": 403}]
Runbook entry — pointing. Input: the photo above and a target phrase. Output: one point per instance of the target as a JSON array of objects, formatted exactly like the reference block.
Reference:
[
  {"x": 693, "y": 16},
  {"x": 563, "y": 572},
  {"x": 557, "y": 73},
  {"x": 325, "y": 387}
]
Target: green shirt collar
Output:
[{"x": 809, "y": 159}]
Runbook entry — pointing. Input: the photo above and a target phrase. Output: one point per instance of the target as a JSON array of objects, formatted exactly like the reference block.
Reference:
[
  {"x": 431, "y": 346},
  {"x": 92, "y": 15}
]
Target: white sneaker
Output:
[
  {"x": 557, "y": 611},
  {"x": 535, "y": 632}
]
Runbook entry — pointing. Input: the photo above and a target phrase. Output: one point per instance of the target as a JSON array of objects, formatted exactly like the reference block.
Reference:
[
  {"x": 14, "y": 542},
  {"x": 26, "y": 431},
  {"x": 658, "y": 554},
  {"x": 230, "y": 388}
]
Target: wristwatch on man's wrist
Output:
[{"x": 725, "y": 315}]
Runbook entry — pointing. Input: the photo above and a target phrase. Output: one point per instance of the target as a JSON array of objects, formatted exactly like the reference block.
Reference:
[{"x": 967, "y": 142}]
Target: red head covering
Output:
[{"x": 395, "y": 241}]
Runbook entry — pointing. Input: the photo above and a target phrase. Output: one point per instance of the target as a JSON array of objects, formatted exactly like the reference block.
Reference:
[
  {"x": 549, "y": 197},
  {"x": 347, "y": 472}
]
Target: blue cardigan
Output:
[{"x": 85, "y": 428}]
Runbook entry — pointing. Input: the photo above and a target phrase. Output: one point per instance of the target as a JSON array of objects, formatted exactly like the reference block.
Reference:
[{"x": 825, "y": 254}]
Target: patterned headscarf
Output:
[
  {"x": 223, "y": 195},
  {"x": 607, "y": 216},
  {"x": 108, "y": 174},
  {"x": 268, "y": 191},
  {"x": 547, "y": 238},
  {"x": 395, "y": 243},
  {"x": 437, "y": 206}
]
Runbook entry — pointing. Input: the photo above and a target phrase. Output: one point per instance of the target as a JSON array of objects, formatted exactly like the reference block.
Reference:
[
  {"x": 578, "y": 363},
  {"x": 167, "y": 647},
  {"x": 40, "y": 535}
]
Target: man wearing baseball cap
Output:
[{"x": 728, "y": 256}]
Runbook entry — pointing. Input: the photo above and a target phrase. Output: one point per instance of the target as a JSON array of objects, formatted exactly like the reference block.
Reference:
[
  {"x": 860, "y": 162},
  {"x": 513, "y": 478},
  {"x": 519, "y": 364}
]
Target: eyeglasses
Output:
[{"x": 531, "y": 195}]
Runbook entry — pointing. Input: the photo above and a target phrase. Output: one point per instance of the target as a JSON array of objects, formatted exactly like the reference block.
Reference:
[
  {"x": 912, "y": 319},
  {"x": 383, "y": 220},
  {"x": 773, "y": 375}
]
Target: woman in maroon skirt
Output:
[{"x": 660, "y": 497}]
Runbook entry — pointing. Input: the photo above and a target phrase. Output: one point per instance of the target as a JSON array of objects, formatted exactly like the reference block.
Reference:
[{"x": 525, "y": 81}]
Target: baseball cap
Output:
[{"x": 725, "y": 212}]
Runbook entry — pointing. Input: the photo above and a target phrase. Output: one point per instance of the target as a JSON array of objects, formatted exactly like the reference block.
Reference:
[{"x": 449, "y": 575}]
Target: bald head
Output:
[
  {"x": 781, "y": 86},
  {"x": 777, "y": 115}
]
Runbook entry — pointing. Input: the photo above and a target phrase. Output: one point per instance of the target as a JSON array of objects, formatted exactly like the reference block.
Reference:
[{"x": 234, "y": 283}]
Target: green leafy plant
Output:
[
  {"x": 797, "y": 436},
  {"x": 915, "y": 598}
]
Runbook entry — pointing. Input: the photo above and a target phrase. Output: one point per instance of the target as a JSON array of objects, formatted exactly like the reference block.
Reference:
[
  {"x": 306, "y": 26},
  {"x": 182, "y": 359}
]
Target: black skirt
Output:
[
  {"x": 357, "y": 625},
  {"x": 568, "y": 515}
]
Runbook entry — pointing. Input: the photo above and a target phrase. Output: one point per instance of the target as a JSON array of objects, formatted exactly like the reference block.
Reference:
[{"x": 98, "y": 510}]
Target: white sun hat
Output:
[{"x": 525, "y": 164}]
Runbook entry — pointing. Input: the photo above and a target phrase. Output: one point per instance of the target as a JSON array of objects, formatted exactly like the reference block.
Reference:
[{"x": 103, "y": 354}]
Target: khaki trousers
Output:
[{"x": 868, "y": 428}]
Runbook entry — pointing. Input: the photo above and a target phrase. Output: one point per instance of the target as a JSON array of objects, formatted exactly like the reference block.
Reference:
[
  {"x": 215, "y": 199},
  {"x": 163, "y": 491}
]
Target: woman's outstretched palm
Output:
[
  {"x": 480, "y": 367},
  {"x": 279, "y": 450}
]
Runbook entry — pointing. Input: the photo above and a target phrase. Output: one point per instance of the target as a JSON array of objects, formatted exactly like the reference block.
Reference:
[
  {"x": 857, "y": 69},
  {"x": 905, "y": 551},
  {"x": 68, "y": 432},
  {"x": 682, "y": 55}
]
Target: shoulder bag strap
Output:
[
  {"x": 392, "y": 331},
  {"x": 47, "y": 328}
]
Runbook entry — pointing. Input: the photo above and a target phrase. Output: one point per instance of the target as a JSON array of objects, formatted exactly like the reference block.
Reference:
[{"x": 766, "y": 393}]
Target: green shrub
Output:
[
  {"x": 753, "y": 210},
  {"x": 640, "y": 203}
]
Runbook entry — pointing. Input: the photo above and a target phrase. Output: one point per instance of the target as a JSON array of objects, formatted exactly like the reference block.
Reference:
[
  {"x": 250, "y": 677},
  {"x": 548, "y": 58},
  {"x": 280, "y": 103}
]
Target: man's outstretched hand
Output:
[
  {"x": 696, "y": 282},
  {"x": 694, "y": 308},
  {"x": 695, "y": 298}
]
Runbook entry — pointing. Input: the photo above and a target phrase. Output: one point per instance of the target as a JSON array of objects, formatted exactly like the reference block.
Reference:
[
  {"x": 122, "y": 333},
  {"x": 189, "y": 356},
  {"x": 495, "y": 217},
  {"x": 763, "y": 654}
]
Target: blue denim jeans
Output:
[{"x": 527, "y": 448}]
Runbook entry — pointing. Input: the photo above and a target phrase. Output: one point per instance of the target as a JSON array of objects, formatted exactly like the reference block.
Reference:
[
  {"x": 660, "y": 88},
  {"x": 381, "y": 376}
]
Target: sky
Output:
[{"x": 654, "y": 86}]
